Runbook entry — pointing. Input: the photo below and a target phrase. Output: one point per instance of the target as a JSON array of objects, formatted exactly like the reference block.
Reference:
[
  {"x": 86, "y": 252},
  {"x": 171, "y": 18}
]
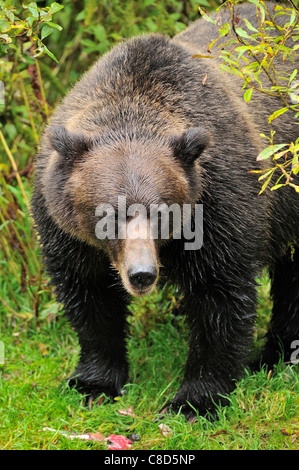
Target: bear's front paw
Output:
[
  {"x": 95, "y": 390},
  {"x": 94, "y": 382},
  {"x": 92, "y": 390},
  {"x": 191, "y": 403},
  {"x": 189, "y": 411}
]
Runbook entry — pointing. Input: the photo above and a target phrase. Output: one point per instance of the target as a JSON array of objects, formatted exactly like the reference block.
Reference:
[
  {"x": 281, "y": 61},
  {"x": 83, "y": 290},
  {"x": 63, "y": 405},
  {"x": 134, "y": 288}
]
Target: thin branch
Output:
[{"x": 293, "y": 5}]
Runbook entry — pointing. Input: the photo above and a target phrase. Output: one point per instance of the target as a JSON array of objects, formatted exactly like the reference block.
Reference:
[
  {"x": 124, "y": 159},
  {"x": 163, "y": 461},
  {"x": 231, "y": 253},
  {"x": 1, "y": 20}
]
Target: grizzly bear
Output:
[{"x": 153, "y": 126}]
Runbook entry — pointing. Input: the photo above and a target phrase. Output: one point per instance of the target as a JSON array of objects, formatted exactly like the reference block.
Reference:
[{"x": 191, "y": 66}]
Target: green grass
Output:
[{"x": 263, "y": 411}]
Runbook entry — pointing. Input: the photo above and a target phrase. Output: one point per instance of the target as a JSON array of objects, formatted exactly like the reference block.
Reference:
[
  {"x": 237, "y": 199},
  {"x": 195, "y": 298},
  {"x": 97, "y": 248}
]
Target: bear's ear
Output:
[
  {"x": 190, "y": 144},
  {"x": 67, "y": 144}
]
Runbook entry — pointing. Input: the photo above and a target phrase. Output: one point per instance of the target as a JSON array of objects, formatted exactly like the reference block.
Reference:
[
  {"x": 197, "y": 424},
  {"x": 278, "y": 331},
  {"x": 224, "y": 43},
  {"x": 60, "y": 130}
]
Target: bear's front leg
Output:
[
  {"x": 101, "y": 327},
  {"x": 97, "y": 311},
  {"x": 103, "y": 366},
  {"x": 221, "y": 327}
]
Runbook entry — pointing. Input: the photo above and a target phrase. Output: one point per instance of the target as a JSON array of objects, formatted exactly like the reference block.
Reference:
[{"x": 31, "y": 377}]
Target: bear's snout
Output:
[
  {"x": 138, "y": 263},
  {"x": 142, "y": 277}
]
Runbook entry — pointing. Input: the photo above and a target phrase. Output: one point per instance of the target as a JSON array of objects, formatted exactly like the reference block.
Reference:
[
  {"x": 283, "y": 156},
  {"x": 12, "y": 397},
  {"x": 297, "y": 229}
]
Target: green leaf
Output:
[
  {"x": 100, "y": 33},
  {"x": 55, "y": 7},
  {"x": 242, "y": 49},
  {"x": 242, "y": 33},
  {"x": 256, "y": 3},
  {"x": 30, "y": 21},
  {"x": 293, "y": 17},
  {"x": 269, "y": 151},
  {"x": 277, "y": 186},
  {"x": 46, "y": 31},
  {"x": 280, "y": 154},
  {"x": 32, "y": 7},
  {"x": 295, "y": 164},
  {"x": 231, "y": 70},
  {"x": 44, "y": 14},
  {"x": 6, "y": 38},
  {"x": 50, "y": 54},
  {"x": 10, "y": 15},
  {"x": 293, "y": 75},
  {"x": 249, "y": 25},
  {"x": 225, "y": 29},
  {"x": 277, "y": 113},
  {"x": 266, "y": 174},
  {"x": 205, "y": 16},
  {"x": 54, "y": 25},
  {"x": 204, "y": 3},
  {"x": 265, "y": 184},
  {"x": 248, "y": 95}
]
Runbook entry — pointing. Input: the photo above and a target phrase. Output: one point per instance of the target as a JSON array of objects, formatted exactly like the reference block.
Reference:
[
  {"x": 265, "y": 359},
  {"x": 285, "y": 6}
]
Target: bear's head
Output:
[{"x": 116, "y": 192}]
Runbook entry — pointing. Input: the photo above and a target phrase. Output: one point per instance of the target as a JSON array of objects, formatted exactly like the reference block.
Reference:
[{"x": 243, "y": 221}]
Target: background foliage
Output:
[
  {"x": 256, "y": 55},
  {"x": 43, "y": 50}
]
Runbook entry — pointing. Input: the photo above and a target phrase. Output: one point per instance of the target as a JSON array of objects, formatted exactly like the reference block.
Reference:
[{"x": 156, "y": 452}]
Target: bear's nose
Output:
[{"x": 141, "y": 277}]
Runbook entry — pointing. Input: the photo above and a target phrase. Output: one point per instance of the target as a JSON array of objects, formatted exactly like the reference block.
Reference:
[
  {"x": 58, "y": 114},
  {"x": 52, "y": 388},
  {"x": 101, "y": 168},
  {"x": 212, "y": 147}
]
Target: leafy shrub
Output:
[{"x": 253, "y": 54}]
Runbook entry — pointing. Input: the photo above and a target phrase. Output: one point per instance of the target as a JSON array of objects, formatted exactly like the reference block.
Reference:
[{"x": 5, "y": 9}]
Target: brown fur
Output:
[{"x": 140, "y": 172}]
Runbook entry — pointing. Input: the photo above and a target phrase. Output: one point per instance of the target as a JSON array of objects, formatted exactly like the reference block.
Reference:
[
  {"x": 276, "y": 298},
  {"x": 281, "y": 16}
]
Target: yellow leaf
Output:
[
  {"x": 4, "y": 167},
  {"x": 44, "y": 348}
]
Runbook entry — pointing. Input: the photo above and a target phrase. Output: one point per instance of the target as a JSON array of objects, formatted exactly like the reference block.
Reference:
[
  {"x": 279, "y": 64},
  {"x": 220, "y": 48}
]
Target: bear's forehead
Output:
[{"x": 140, "y": 172}]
